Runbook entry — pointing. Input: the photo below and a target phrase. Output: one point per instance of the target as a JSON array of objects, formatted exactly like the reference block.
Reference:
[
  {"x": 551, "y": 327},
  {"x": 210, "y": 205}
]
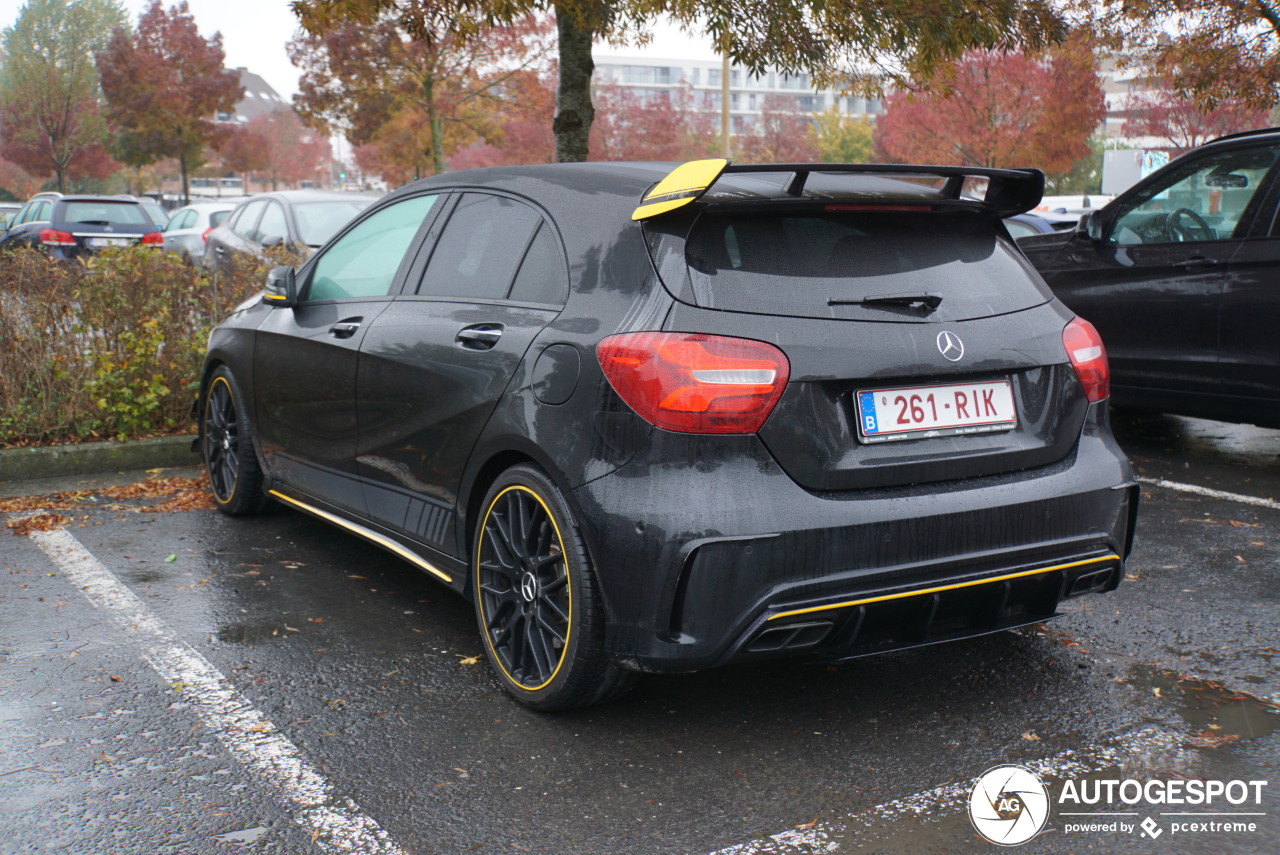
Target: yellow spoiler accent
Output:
[{"x": 682, "y": 185}]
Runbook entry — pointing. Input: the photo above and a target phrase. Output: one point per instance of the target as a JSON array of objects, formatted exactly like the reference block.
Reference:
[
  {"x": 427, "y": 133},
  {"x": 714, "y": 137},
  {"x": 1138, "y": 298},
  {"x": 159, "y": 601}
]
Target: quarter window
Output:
[
  {"x": 363, "y": 262},
  {"x": 247, "y": 220},
  {"x": 542, "y": 277},
  {"x": 273, "y": 224}
]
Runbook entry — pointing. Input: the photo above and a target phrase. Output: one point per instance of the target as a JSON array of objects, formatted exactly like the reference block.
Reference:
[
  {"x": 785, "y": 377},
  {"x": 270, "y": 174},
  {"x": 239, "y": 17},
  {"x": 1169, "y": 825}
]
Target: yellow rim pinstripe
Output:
[{"x": 484, "y": 620}]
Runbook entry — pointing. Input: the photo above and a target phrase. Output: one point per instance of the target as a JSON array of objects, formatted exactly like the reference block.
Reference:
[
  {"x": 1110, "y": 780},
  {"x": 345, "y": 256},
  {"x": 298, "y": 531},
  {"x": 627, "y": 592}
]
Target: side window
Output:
[
  {"x": 183, "y": 221},
  {"x": 480, "y": 248},
  {"x": 542, "y": 277},
  {"x": 24, "y": 216},
  {"x": 273, "y": 224},
  {"x": 364, "y": 261},
  {"x": 44, "y": 213},
  {"x": 247, "y": 221},
  {"x": 1203, "y": 201}
]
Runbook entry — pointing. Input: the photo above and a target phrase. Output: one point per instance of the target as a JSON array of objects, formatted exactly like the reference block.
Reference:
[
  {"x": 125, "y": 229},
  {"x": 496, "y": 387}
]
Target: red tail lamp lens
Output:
[
  {"x": 204, "y": 235},
  {"x": 53, "y": 237},
  {"x": 695, "y": 383},
  {"x": 153, "y": 239},
  {"x": 1089, "y": 358}
]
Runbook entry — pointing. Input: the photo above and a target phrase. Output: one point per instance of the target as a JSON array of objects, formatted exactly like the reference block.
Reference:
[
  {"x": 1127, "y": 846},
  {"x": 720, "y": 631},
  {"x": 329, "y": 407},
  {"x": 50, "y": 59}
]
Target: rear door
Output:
[
  {"x": 305, "y": 357},
  {"x": 433, "y": 367},
  {"x": 1249, "y": 320}
]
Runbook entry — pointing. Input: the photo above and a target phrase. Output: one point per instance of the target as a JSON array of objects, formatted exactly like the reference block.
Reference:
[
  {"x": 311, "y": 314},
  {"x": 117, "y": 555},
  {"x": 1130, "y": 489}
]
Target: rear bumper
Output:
[{"x": 707, "y": 552}]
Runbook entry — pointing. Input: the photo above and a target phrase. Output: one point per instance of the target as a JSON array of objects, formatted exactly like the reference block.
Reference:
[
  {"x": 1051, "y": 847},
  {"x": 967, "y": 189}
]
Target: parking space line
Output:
[
  {"x": 337, "y": 823},
  {"x": 950, "y": 799},
  {"x": 1211, "y": 493}
]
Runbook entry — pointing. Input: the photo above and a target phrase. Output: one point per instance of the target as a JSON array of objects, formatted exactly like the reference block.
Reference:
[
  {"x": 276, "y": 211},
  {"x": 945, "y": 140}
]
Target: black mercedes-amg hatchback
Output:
[{"x": 659, "y": 419}]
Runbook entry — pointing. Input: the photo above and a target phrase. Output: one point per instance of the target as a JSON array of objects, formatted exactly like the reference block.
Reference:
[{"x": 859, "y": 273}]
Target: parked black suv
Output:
[
  {"x": 1179, "y": 274},
  {"x": 661, "y": 422},
  {"x": 69, "y": 227}
]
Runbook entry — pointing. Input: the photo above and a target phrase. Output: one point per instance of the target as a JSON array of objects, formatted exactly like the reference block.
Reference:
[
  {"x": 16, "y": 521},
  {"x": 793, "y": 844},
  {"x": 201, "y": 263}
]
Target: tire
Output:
[
  {"x": 226, "y": 445},
  {"x": 536, "y": 599}
]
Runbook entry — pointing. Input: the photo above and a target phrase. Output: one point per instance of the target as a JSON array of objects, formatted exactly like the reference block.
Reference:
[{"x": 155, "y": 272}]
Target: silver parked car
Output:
[
  {"x": 299, "y": 220},
  {"x": 188, "y": 229}
]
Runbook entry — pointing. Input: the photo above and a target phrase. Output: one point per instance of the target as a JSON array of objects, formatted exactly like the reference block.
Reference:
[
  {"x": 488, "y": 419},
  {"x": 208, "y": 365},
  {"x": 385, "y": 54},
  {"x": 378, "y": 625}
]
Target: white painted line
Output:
[
  {"x": 1211, "y": 493},
  {"x": 950, "y": 799},
  {"x": 337, "y": 822}
]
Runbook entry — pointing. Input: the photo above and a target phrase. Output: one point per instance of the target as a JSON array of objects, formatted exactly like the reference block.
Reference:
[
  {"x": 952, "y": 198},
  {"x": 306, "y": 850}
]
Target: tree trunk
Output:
[
  {"x": 574, "y": 113},
  {"x": 434, "y": 125},
  {"x": 182, "y": 166}
]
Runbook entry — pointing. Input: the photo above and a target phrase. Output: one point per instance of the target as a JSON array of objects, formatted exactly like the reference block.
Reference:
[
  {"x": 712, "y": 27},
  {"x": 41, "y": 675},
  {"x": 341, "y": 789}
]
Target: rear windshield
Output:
[
  {"x": 825, "y": 264},
  {"x": 104, "y": 213}
]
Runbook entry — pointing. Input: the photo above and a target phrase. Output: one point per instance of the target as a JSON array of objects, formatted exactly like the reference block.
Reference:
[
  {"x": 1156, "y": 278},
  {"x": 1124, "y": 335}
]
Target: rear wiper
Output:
[
  {"x": 911, "y": 301},
  {"x": 93, "y": 222}
]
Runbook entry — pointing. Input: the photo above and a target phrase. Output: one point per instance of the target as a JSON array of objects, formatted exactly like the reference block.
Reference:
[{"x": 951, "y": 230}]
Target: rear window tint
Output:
[
  {"x": 122, "y": 213},
  {"x": 821, "y": 264}
]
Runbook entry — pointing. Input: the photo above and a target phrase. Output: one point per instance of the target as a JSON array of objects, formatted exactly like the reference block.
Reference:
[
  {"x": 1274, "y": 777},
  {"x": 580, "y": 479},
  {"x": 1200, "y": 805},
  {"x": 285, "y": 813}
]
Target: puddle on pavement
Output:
[
  {"x": 250, "y": 632},
  {"x": 243, "y": 837},
  {"x": 1217, "y": 714}
]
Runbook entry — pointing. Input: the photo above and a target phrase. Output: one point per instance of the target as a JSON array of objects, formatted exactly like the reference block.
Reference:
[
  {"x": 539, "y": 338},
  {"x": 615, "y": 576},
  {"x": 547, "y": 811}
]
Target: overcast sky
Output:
[{"x": 254, "y": 33}]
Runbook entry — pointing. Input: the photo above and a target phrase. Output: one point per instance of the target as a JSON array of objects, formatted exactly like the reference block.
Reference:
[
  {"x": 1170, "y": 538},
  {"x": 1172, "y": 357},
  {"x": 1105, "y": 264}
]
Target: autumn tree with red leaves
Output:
[
  {"x": 1176, "y": 119},
  {"x": 1000, "y": 110},
  {"x": 244, "y": 151},
  {"x": 781, "y": 133},
  {"x": 50, "y": 122},
  {"x": 163, "y": 85},
  {"x": 409, "y": 95},
  {"x": 664, "y": 125}
]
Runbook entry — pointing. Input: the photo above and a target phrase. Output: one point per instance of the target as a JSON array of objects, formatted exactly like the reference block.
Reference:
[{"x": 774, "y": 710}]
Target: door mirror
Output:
[
  {"x": 282, "y": 287},
  {"x": 1090, "y": 225},
  {"x": 271, "y": 240}
]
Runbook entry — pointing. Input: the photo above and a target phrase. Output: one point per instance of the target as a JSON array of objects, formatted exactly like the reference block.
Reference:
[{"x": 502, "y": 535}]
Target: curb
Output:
[{"x": 91, "y": 458}]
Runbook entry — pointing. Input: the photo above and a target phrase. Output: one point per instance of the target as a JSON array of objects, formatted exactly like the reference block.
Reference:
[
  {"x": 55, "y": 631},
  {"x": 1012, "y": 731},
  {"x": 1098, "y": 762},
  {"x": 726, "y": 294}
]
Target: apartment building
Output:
[{"x": 647, "y": 77}]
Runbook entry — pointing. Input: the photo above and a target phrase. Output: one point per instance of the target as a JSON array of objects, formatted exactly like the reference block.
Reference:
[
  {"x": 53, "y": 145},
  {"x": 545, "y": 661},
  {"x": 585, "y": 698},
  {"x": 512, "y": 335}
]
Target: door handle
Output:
[
  {"x": 479, "y": 336},
  {"x": 345, "y": 329},
  {"x": 1196, "y": 261}
]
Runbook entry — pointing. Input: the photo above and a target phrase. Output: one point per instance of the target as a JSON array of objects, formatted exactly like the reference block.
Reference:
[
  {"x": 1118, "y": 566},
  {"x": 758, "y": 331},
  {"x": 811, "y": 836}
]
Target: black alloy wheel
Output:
[
  {"x": 226, "y": 445},
  {"x": 536, "y": 599}
]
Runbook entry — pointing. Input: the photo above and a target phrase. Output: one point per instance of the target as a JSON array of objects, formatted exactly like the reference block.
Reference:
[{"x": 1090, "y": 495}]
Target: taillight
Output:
[
  {"x": 152, "y": 239},
  {"x": 53, "y": 237},
  {"x": 204, "y": 235},
  {"x": 695, "y": 383},
  {"x": 1089, "y": 358}
]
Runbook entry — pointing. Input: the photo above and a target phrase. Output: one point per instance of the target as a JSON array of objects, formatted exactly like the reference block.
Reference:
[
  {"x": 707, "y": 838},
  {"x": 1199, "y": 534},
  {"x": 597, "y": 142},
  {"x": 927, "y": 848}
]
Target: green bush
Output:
[{"x": 107, "y": 349}]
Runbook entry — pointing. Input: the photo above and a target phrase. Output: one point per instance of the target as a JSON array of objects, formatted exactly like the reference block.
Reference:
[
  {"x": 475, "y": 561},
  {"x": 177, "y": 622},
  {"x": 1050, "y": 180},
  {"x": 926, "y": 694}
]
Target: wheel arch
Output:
[{"x": 483, "y": 469}]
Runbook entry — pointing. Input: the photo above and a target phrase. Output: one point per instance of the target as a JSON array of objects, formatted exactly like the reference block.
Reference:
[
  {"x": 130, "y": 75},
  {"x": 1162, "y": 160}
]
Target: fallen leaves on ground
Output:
[
  {"x": 38, "y": 522},
  {"x": 157, "y": 495}
]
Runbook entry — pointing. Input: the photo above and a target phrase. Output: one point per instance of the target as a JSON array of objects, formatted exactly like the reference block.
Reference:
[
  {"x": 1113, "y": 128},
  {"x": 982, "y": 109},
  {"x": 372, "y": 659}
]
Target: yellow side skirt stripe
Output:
[
  {"x": 940, "y": 588},
  {"x": 385, "y": 543}
]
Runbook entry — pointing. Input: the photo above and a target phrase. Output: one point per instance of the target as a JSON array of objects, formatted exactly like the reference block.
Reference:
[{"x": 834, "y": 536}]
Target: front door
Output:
[{"x": 306, "y": 356}]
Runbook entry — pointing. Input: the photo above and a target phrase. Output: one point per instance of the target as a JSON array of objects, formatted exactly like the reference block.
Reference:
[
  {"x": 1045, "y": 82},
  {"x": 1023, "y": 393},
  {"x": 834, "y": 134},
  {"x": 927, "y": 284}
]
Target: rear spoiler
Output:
[{"x": 1009, "y": 191}]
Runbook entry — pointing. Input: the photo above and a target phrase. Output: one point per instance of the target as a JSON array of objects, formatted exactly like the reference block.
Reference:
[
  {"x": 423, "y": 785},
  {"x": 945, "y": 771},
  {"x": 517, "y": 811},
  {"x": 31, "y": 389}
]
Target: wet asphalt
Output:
[{"x": 375, "y": 674}]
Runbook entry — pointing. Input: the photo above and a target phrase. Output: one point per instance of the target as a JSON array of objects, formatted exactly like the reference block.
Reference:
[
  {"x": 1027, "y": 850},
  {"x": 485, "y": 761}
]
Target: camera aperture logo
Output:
[{"x": 1009, "y": 805}]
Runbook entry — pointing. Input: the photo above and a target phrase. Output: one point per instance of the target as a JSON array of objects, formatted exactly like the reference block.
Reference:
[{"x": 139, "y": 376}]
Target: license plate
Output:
[
  {"x": 104, "y": 242},
  {"x": 916, "y": 412}
]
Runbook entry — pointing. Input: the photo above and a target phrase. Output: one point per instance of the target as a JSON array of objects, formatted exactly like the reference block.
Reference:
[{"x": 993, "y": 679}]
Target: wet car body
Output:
[
  {"x": 398, "y": 416},
  {"x": 1178, "y": 274}
]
